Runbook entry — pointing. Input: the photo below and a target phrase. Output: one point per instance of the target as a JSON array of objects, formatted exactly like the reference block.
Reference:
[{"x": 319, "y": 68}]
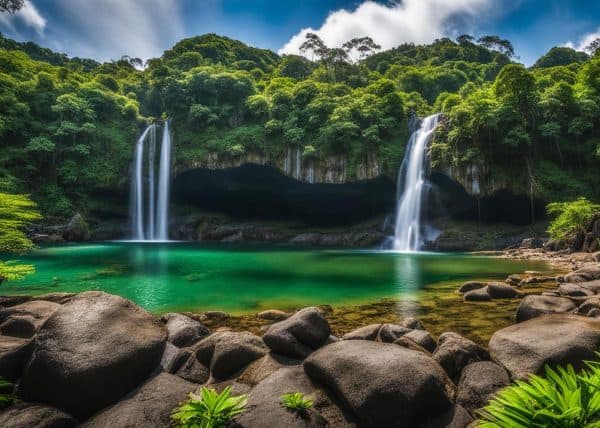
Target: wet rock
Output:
[
  {"x": 148, "y": 406},
  {"x": 499, "y": 290},
  {"x": 368, "y": 332},
  {"x": 527, "y": 347},
  {"x": 265, "y": 409},
  {"x": 24, "y": 320},
  {"x": 14, "y": 353},
  {"x": 470, "y": 286},
  {"x": 91, "y": 352},
  {"x": 390, "y": 332},
  {"x": 28, "y": 415},
  {"x": 478, "y": 382},
  {"x": 273, "y": 315},
  {"x": 226, "y": 353},
  {"x": 299, "y": 335},
  {"x": 382, "y": 383},
  {"x": 586, "y": 273},
  {"x": 535, "y": 306},
  {"x": 76, "y": 230},
  {"x": 184, "y": 331},
  {"x": 455, "y": 352},
  {"x": 422, "y": 338},
  {"x": 477, "y": 295}
]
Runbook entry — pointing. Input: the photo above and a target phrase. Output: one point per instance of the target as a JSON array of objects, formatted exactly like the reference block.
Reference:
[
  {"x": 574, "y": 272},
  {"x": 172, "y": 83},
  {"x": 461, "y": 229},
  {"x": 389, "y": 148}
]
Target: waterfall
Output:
[
  {"x": 411, "y": 182},
  {"x": 147, "y": 198}
]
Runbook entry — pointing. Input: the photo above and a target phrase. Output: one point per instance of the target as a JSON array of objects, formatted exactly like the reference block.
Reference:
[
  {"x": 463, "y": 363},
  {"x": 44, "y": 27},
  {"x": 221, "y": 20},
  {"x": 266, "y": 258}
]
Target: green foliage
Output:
[
  {"x": 209, "y": 409},
  {"x": 7, "y": 398},
  {"x": 561, "y": 399},
  {"x": 296, "y": 401},
  {"x": 13, "y": 271},
  {"x": 16, "y": 212},
  {"x": 571, "y": 217}
]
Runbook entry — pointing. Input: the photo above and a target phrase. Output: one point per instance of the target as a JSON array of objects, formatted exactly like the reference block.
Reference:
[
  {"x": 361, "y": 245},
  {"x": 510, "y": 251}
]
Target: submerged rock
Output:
[
  {"x": 91, "y": 352},
  {"x": 299, "y": 335},
  {"x": 525, "y": 348},
  {"x": 535, "y": 306},
  {"x": 382, "y": 383}
]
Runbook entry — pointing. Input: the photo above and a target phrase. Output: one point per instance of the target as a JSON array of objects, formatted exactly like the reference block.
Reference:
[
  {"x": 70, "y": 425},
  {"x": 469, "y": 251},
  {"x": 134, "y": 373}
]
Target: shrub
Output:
[
  {"x": 209, "y": 409},
  {"x": 296, "y": 401},
  {"x": 572, "y": 217},
  {"x": 561, "y": 399}
]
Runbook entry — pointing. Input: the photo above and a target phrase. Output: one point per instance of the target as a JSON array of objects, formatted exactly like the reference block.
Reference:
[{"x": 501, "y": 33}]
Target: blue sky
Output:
[{"x": 107, "y": 29}]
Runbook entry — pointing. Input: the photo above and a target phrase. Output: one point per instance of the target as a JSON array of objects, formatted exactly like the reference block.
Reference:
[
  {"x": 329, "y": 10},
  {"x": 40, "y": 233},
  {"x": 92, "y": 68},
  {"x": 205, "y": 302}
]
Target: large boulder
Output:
[
  {"x": 534, "y": 306},
  {"x": 28, "y": 415},
  {"x": 479, "y": 382},
  {"x": 527, "y": 347},
  {"x": 77, "y": 229},
  {"x": 148, "y": 406},
  {"x": 226, "y": 353},
  {"x": 183, "y": 330},
  {"x": 299, "y": 335},
  {"x": 265, "y": 409},
  {"x": 14, "y": 353},
  {"x": 382, "y": 383},
  {"x": 24, "y": 320},
  {"x": 455, "y": 352},
  {"x": 91, "y": 352}
]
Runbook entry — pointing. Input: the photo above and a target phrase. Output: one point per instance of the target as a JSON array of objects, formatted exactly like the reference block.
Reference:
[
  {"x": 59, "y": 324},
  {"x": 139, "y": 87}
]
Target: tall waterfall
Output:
[
  {"x": 411, "y": 182},
  {"x": 153, "y": 226}
]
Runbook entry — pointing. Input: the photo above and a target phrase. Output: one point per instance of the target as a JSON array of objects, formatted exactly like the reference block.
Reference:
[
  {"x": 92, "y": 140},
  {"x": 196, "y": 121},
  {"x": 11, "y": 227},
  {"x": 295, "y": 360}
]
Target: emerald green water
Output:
[{"x": 194, "y": 277}]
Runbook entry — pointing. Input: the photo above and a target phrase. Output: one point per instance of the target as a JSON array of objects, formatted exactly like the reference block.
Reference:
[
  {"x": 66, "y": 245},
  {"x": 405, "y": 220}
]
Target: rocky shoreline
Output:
[{"x": 95, "y": 359}]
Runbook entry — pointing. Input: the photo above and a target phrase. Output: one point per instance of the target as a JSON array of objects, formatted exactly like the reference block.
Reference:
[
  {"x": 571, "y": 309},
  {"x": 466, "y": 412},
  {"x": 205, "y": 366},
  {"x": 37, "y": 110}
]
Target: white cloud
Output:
[
  {"x": 418, "y": 21},
  {"x": 108, "y": 29},
  {"x": 584, "y": 41},
  {"x": 28, "y": 16}
]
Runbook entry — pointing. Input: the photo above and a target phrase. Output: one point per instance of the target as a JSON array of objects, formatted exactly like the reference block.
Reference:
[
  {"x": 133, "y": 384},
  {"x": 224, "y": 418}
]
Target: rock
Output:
[
  {"x": 14, "y": 353},
  {"x": 455, "y": 352},
  {"x": 76, "y": 230},
  {"x": 478, "y": 382},
  {"x": 556, "y": 245},
  {"x": 513, "y": 280},
  {"x": 455, "y": 417},
  {"x": 499, "y": 290},
  {"x": 7, "y": 301},
  {"x": 573, "y": 290},
  {"x": 531, "y": 243},
  {"x": 422, "y": 338},
  {"x": 534, "y": 306},
  {"x": 226, "y": 353},
  {"x": 56, "y": 297},
  {"x": 215, "y": 316},
  {"x": 172, "y": 357},
  {"x": 368, "y": 332},
  {"x": 390, "y": 332},
  {"x": 91, "y": 352},
  {"x": 382, "y": 383},
  {"x": 265, "y": 409},
  {"x": 594, "y": 313},
  {"x": 589, "y": 304},
  {"x": 410, "y": 344},
  {"x": 536, "y": 280},
  {"x": 28, "y": 415},
  {"x": 478, "y": 295},
  {"x": 184, "y": 331},
  {"x": 148, "y": 406},
  {"x": 273, "y": 315},
  {"x": 193, "y": 370},
  {"x": 412, "y": 323},
  {"x": 299, "y": 335},
  {"x": 24, "y": 320},
  {"x": 264, "y": 367},
  {"x": 470, "y": 286},
  {"x": 527, "y": 347},
  {"x": 586, "y": 273},
  {"x": 593, "y": 286}
]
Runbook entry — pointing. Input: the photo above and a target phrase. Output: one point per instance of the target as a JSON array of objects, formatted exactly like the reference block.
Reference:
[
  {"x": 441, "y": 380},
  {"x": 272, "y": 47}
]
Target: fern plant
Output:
[
  {"x": 209, "y": 409},
  {"x": 296, "y": 401},
  {"x": 7, "y": 398},
  {"x": 561, "y": 399}
]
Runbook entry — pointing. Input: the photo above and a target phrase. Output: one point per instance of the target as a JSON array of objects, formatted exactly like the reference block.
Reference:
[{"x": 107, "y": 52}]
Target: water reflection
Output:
[{"x": 407, "y": 281}]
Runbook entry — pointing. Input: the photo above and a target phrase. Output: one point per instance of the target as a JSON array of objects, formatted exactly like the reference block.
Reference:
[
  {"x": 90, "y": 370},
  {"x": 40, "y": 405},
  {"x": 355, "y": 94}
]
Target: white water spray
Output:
[
  {"x": 411, "y": 182},
  {"x": 156, "y": 221}
]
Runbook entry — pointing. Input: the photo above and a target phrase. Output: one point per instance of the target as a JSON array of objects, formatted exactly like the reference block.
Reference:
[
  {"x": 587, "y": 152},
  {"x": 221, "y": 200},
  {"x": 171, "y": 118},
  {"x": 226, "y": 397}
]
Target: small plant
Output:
[
  {"x": 561, "y": 399},
  {"x": 210, "y": 409},
  {"x": 296, "y": 401},
  {"x": 7, "y": 398}
]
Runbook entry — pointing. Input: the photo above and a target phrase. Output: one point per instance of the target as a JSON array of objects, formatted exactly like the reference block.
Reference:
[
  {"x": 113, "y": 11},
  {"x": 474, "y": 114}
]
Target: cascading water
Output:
[
  {"x": 411, "y": 182},
  {"x": 154, "y": 225}
]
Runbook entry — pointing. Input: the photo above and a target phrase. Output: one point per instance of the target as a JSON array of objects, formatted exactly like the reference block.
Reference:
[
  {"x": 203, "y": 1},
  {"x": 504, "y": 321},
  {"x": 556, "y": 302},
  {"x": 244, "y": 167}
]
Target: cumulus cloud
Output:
[
  {"x": 418, "y": 21},
  {"x": 108, "y": 29},
  {"x": 584, "y": 41},
  {"x": 28, "y": 16}
]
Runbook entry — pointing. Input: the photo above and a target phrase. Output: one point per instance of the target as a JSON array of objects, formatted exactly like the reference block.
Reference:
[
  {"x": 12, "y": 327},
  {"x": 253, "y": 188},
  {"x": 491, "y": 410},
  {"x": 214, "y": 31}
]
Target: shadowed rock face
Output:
[
  {"x": 91, "y": 352},
  {"x": 28, "y": 415}
]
